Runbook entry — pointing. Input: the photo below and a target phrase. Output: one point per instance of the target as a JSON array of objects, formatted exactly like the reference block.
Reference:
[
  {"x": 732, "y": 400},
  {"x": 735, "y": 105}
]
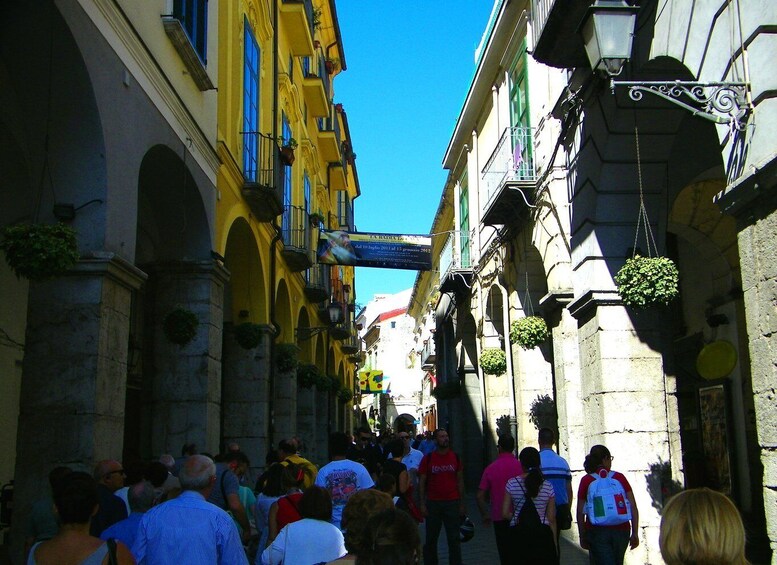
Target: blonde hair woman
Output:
[{"x": 701, "y": 526}]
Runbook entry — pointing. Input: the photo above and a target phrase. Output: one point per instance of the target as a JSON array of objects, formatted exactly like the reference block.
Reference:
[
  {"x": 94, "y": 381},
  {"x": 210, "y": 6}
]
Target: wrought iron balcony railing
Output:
[
  {"x": 511, "y": 165},
  {"x": 261, "y": 184},
  {"x": 428, "y": 356},
  {"x": 318, "y": 286},
  {"x": 295, "y": 232}
]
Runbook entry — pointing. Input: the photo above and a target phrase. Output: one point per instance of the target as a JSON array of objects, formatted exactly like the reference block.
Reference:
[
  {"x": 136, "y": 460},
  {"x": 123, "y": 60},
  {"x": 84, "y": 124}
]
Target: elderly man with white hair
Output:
[{"x": 188, "y": 529}]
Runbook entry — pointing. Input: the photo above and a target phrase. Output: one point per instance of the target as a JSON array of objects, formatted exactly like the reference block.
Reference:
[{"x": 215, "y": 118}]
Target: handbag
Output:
[
  {"x": 564, "y": 516},
  {"x": 410, "y": 505}
]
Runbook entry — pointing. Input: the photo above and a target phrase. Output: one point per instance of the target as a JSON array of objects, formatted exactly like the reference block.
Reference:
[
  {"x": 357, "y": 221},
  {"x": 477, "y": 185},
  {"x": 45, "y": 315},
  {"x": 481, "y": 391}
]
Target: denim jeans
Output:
[
  {"x": 607, "y": 546},
  {"x": 442, "y": 513}
]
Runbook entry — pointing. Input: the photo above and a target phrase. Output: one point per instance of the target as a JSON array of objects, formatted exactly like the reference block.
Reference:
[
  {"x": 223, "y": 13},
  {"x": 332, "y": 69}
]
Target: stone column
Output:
[
  {"x": 187, "y": 381},
  {"x": 306, "y": 421},
  {"x": 74, "y": 374},
  {"x": 284, "y": 405},
  {"x": 628, "y": 403},
  {"x": 244, "y": 395},
  {"x": 759, "y": 283}
]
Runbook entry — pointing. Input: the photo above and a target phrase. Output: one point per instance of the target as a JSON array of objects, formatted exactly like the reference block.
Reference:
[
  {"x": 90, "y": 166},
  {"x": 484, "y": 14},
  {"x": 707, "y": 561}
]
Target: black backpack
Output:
[{"x": 528, "y": 517}]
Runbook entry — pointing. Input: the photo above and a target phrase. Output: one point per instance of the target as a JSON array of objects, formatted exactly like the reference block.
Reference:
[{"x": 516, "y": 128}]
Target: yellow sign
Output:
[{"x": 373, "y": 382}]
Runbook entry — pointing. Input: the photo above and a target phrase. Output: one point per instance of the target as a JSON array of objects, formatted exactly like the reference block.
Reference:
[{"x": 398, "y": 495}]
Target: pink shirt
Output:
[{"x": 495, "y": 479}]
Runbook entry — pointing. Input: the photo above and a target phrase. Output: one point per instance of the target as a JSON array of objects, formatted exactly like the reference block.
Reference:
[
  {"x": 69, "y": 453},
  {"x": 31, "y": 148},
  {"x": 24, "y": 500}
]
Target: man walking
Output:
[
  {"x": 288, "y": 453},
  {"x": 188, "y": 529},
  {"x": 342, "y": 477},
  {"x": 556, "y": 470},
  {"x": 441, "y": 489},
  {"x": 494, "y": 479},
  {"x": 365, "y": 453},
  {"x": 109, "y": 475}
]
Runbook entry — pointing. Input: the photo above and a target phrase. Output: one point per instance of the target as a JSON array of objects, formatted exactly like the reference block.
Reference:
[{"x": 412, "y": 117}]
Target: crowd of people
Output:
[{"x": 364, "y": 506}]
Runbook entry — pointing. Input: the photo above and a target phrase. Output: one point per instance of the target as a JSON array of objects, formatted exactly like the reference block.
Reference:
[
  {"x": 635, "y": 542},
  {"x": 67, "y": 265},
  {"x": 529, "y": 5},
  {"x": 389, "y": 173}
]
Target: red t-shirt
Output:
[
  {"x": 441, "y": 472},
  {"x": 582, "y": 494},
  {"x": 288, "y": 509}
]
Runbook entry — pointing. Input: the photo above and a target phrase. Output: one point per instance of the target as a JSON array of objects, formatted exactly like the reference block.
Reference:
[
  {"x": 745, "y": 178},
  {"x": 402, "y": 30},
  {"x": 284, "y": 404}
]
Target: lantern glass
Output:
[
  {"x": 608, "y": 31},
  {"x": 335, "y": 312}
]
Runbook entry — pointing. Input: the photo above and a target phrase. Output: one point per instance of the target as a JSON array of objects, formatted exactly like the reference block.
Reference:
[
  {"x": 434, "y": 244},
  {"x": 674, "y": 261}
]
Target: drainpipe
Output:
[
  {"x": 275, "y": 239},
  {"x": 508, "y": 347}
]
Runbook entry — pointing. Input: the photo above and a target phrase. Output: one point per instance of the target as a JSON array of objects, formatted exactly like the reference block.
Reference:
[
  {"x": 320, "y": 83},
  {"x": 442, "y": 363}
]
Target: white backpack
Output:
[{"x": 607, "y": 503}]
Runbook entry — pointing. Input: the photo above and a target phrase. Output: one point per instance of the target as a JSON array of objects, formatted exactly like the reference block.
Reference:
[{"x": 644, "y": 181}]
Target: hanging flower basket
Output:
[
  {"x": 345, "y": 395},
  {"x": 447, "y": 390},
  {"x": 248, "y": 335},
  {"x": 493, "y": 361},
  {"x": 316, "y": 219},
  {"x": 308, "y": 375},
  {"x": 529, "y": 332},
  {"x": 326, "y": 383},
  {"x": 286, "y": 357},
  {"x": 287, "y": 151},
  {"x": 39, "y": 251},
  {"x": 180, "y": 326},
  {"x": 647, "y": 281}
]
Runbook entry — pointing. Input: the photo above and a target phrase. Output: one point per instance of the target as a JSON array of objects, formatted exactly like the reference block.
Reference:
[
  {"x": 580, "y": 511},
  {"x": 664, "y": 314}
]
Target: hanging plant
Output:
[
  {"x": 447, "y": 390},
  {"x": 287, "y": 151},
  {"x": 286, "y": 357},
  {"x": 542, "y": 413},
  {"x": 529, "y": 332},
  {"x": 326, "y": 382},
  {"x": 345, "y": 395},
  {"x": 646, "y": 281},
  {"x": 248, "y": 335},
  {"x": 493, "y": 361},
  {"x": 180, "y": 326},
  {"x": 316, "y": 219},
  {"x": 39, "y": 251},
  {"x": 308, "y": 375}
]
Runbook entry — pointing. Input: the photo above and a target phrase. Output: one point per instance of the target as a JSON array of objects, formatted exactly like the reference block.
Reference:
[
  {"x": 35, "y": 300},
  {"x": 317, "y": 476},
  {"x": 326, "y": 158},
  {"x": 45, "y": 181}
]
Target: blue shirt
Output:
[
  {"x": 189, "y": 530},
  {"x": 556, "y": 471},
  {"x": 124, "y": 531}
]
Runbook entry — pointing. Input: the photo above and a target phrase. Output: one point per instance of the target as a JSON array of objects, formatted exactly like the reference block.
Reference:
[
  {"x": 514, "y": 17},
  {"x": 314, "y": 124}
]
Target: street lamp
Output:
[
  {"x": 608, "y": 31},
  {"x": 335, "y": 313}
]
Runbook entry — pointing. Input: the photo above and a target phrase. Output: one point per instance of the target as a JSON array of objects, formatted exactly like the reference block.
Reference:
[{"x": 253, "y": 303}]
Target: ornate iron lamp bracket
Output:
[{"x": 719, "y": 102}]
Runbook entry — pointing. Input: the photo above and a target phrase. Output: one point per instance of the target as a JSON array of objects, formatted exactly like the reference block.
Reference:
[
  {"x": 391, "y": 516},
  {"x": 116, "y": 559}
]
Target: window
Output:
[
  {"x": 286, "y": 219},
  {"x": 250, "y": 104},
  {"x": 193, "y": 15},
  {"x": 519, "y": 114},
  {"x": 464, "y": 222},
  {"x": 393, "y": 325}
]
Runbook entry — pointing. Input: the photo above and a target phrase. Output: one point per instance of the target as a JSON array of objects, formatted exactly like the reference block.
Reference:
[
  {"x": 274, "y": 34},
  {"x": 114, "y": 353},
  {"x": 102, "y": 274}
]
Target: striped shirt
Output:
[
  {"x": 556, "y": 470},
  {"x": 516, "y": 487}
]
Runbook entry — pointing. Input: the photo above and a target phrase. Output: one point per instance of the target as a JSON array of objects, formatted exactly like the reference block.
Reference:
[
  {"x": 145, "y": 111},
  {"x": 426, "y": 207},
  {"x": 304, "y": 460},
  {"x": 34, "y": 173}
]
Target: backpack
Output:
[
  {"x": 606, "y": 503},
  {"x": 528, "y": 517}
]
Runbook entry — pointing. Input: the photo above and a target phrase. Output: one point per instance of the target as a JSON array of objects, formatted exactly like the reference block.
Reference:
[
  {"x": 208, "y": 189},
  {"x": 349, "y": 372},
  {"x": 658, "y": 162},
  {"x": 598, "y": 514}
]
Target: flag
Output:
[{"x": 373, "y": 382}]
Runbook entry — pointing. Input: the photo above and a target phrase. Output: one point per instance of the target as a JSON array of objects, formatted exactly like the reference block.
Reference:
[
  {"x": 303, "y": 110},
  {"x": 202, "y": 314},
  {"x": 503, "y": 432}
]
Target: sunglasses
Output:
[{"x": 109, "y": 473}]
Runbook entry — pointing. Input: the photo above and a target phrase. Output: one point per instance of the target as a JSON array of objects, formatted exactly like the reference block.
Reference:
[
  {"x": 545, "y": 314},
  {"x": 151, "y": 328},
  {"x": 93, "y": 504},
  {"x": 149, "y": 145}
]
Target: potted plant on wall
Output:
[
  {"x": 317, "y": 218},
  {"x": 248, "y": 335},
  {"x": 493, "y": 361},
  {"x": 308, "y": 375},
  {"x": 286, "y": 357},
  {"x": 345, "y": 395},
  {"x": 529, "y": 332},
  {"x": 39, "y": 251},
  {"x": 180, "y": 326},
  {"x": 287, "y": 151},
  {"x": 331, "y": 64},
  {"x": 647, "y": 281}
]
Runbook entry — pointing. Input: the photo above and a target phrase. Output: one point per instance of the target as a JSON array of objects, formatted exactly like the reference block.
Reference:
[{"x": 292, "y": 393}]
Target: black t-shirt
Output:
[
  {"x": 395, "y": 469},
  {"x": 370, "y": 457}
]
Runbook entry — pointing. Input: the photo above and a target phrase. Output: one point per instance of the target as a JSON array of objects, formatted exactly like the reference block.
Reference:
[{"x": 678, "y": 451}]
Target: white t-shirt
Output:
[
  {"x": 294, "y": 544},
  {"x": 413, "y": 459},
  {"x": 343, "y": 478}
]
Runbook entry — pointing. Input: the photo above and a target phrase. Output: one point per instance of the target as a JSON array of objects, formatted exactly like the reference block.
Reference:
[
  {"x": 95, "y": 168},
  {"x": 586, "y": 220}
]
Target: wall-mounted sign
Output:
[
  {"x": 388, "y": 251},
  {"x": 373, "y": 382}
]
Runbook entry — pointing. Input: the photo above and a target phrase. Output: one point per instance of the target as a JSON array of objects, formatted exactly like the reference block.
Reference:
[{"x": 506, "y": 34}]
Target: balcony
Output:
[
  {"x": 317, "y": 284},
  {"x": 295, "y": 232},
  {"x": 509, "y": 178},
  {"x": 555, "y": 23},
  {"x": 351, "y": 345},
  {"x": 338, "y": 175},
  {"x": 329, "y": 138},
  {"x": 456, "y": 263},
  {"x": 428, "y": 356},
  {"x": 261, "y": 182},
  {"x": 315, "y": 81},
  {"x": 297, "y": 17}
]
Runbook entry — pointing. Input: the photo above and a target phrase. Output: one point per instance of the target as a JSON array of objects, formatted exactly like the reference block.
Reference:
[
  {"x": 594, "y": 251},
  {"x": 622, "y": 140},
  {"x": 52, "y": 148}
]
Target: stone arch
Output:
[
  {"x": 245, "y": 298},
  {"x": 172, "y": 223},
  {"x": 405, "y": 423},
  {"x": 306, "y": 346}
]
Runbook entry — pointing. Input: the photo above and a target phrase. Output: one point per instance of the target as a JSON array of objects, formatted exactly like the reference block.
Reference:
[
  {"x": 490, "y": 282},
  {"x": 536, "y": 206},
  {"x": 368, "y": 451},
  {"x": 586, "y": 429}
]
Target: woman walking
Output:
[
  {"x": 607, "y": 515},
  {"x": 533, "y": 515}
]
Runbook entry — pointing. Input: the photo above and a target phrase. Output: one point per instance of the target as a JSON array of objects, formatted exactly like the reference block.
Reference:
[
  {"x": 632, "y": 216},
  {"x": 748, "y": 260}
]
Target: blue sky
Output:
[{"x": 409, "y": 68}]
